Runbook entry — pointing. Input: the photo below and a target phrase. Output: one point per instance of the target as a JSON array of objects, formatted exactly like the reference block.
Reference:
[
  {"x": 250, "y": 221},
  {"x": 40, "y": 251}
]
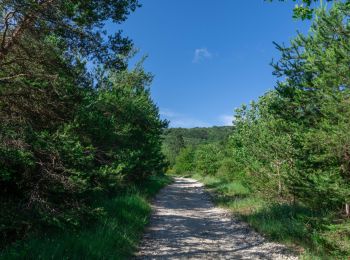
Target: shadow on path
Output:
[{"x": 186, "y": 225}]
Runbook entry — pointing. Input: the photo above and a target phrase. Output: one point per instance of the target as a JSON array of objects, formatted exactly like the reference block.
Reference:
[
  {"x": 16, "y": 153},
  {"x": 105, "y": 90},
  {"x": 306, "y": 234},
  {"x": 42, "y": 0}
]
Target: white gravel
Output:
[{"x": 186, "y": 225}]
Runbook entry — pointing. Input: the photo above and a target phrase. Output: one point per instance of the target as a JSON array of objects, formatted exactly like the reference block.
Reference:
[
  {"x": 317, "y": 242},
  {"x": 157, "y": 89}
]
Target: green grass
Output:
[
  {"x": 231, "y": 194},
  {"x": 115, "y": 235},
  {"x": 316, "y": 235}
]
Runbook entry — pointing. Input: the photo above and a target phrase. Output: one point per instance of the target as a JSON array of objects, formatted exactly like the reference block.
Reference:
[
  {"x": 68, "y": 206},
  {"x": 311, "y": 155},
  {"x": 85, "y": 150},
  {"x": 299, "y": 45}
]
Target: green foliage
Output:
[
  {"x": 316, "y": 107},
  {"x": 198, "y": 150},
  {"x": 304, "y": 10},
  {"x": 198, "y": 135},
  {"x": 185, "y": 161},
  {"x": 285, "y": 166},
  {"x": 172, "y": 146},
  {"x": 292, "y": 144},
  {"x": 313, "y": 234},
  {"x": 114, "y": 137},
  {"x": 67, "y": 134},
  {"x": 175, "y": 139},
  {"x": 294, "y": 140},
  {"x": 208, "y": 158},
  {"x": 114, "y": 235},
  {"x": 75, "y": 28}
]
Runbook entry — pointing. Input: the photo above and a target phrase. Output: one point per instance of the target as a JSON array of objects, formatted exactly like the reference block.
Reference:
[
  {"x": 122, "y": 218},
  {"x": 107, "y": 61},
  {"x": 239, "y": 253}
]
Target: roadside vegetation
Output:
[
  {"x": 81, "y": 140},
  {"x": 285, "y": 167},
  {"x": 80, "y": 136},
  {"x": 114, "y": 233}
]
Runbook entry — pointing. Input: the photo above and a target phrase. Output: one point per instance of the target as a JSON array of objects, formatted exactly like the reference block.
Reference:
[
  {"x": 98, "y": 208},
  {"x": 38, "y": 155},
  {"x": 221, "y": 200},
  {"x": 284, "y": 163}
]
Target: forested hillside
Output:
[
  {"x": 285, "y": 166},
  {"x": 175, "y": 139}
]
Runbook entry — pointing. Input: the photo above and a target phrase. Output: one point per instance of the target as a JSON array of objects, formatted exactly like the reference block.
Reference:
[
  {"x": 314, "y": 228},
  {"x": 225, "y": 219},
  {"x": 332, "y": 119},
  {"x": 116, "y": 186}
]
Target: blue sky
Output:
[{"x": 209, "y": 56}]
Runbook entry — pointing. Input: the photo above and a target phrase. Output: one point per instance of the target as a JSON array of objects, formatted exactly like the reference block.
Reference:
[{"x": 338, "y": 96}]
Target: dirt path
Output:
[{"x": 186, "y": 225}]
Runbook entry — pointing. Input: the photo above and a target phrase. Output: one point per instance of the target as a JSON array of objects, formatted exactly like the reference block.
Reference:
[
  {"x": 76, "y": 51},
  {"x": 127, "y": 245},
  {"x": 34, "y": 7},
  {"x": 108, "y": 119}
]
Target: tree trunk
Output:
[{"x": 279, "y": 181}]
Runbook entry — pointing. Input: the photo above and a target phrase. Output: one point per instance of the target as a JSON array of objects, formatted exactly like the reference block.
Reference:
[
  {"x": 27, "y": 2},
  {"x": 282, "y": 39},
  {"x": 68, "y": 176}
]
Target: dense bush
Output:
[
  {"x": 295, "y": 139},
  {"x": 208, "y": 158},
  {"x": 185, "y": 161},
  {"x": 68, "y": 134}
]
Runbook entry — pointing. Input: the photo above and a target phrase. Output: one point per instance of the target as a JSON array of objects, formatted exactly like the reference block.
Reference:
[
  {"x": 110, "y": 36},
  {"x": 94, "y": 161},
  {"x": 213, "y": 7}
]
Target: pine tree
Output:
[{"x": 314, "y": 100}]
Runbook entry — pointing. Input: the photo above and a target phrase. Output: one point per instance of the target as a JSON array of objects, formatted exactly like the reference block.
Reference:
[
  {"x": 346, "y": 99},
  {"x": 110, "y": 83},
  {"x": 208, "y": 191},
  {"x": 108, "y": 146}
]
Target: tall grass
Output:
[
  {"x": 316, "y": 235},
  {"x": 115, "y": 235}
]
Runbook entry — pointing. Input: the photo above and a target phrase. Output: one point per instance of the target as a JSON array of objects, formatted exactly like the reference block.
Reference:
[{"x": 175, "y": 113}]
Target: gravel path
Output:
[{"x": 186, "y": 225}]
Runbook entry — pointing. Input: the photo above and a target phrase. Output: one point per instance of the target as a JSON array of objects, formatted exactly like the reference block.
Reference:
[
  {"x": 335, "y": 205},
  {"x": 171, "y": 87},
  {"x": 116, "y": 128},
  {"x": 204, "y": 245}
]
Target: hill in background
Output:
[{"x": 176, "y": 139}]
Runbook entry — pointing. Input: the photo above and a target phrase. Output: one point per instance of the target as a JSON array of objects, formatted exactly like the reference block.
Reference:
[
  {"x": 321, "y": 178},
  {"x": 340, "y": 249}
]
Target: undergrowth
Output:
[
  {"x": 114, "y": 235},
  {"x": 314, "y": 234}
]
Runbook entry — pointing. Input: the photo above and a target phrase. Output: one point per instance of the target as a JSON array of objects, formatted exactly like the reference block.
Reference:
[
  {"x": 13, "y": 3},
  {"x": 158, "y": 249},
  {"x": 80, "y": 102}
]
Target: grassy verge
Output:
[
  {"x": 318, "y": 235},
  {"x": 115, "y": 234}
]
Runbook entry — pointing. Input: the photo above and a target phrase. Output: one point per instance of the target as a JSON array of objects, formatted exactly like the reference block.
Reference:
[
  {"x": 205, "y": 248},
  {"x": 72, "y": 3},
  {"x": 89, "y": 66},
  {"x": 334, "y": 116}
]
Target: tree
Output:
[
  {"x": 185, "y": 162},
  {"x": 64, "y": 134},
  {"x": 208, "y": 158},
  {"x": 76, "y": 26},
  {"x": 313, "y": 100},
  {"x": 304, "y": 9},
  {"x": 293, "y": 142},
  {"x": 262, "y": 148}
]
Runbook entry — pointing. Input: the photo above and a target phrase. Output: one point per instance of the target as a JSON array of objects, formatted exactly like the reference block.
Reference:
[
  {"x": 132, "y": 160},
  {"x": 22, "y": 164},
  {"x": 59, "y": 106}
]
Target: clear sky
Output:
[{"x": 209, "y": 56}]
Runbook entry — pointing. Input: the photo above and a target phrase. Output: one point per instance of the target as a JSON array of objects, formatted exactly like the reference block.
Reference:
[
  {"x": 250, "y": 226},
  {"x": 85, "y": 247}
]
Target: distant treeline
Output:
[{"x": 176, "y": 139}]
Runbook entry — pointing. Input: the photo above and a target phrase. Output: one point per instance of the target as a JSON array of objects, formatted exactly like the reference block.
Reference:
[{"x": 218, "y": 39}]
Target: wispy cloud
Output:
[
  {"x": 180, "y": 120},
  {"x": 227, "y": 119},
  {"x": 201, "y": 55},
  {"x": 168, "y": 113}
]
